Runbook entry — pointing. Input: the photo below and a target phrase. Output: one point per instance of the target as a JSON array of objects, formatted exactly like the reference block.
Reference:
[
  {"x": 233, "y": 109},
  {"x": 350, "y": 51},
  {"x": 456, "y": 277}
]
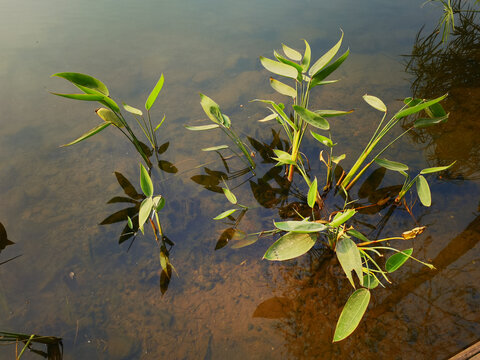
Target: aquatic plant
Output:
[
  {"x": 296, "y": 67},
  {"x": 95, "y": 90},
  {"x": 222, "y": 121}
]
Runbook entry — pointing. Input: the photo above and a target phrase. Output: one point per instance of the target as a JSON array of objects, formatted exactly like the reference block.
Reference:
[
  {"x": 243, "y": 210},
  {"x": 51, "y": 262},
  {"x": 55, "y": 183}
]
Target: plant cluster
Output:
[{"x": 355, "y": 252}]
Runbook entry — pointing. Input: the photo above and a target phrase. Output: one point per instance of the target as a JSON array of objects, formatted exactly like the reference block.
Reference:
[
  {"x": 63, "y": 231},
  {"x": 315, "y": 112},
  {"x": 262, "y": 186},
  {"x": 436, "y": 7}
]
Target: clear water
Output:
[{"x": 73, "y": 279}]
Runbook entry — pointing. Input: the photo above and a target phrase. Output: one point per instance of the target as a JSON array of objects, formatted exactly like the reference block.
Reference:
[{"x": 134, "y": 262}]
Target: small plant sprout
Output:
[
  {"x": 95, "y": 90},
  {"x": 222, "y": 121}
]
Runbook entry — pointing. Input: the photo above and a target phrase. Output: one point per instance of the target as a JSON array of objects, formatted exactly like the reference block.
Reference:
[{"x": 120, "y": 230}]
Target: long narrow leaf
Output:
[
  {"x": 84, "y": 80},
  {"x": 349, "y": 257},
  {"x": 145, "y": 181},
  {"x": 318, "y": 78},
  {"x": 279, "y": 68},
  {"x": 154, "y": 94},
  {"x": 89, "y": 133},
  {"x": 325, "y": 59},
  {"x": 312, "y": 118},
  {"x": 312, "y": 193},
  {"x": 418, "y": 107},
  {"x": 84, "y": 97},
  {"x": 201, "y": 127}
]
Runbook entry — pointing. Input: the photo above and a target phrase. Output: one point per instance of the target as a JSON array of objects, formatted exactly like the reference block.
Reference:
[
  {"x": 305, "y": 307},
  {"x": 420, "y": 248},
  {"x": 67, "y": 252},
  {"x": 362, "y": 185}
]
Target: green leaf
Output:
[
  {"x": 423, "y": 191},
  {"x": 224, "y": 214},
  {"x": 291, "y": 53},
  {"x": 419, "y": 107},
  {"x": 282, "y": 88},
  {"x": 312, "y": 118},
  {"x": 279, "y": 68},
  {"x": 132, "y": 110},
  {"x": 158, "y": 203},
  {"x": 89, "y": 133},
  {"x": 291, "y": 63},
  {"x": 212, "y": 109},
  {"x": 332, "y": 113},
  {"x": 436, "y": 110},
  {"x": 201, "y": 127},
  {"x": 349, "y": 257},
  {"x": 375, "y": 102},
  {"x": 342, "y": 217},
  {"x": 145, "y": 181},
  {"x": 105, "y": 99},
  {"x": 289, "y": 246},
  {"x": 159, "y": 124},
  {"x": 312, "y": 193},
  {"x": 426, "y": 122},
  {"x": 230, "y": 196},
  {"x": 153, "y": 95},
  {"x": 411, "y": 102},
  {"x": 84, "y": 80},
  {"x": 323, "y": 139},
  {"x": 144, "y": 212},
  {"x": 370, "y": 281},
  {"x": 396, "y": 260},
  {"x": 357, "y": 234},
  {"x": 215, "y": 148},
  {"x": 272, "y": 116},
  {"x": 84, "y": 97},
  {"x": 391, "y": 165},
  {"x": 163, "y": 260},
  {"x": 337, "y": 159},
  {"x": 109, "y": 116},
  {"x": 436, "y": 169},
  {"x": 303, "y": 227},
  {"x": 283, "y": 157},
  {"x": 325, "y": 59},
  {"x": 320, "y": 76},
  {"x": 352, "y": 313},
  {"x": 307, "y": 55},
  {"x": 129, "y": 222}
]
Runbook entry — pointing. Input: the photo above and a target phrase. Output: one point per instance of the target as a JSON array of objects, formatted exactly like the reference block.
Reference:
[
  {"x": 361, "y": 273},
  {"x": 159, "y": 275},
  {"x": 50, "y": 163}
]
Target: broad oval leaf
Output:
[
  {"x": 144, "y": 212},
  {"x": 132, "y": 110},
  {"x": 323, "y": 139},
  {"x": 291, "y": 63},
  {"x": 279, "y": 68},
  {"x": 248, "y": 240},
  {"x": 423, "y": 191},
  {"x": 312, "y": 118},
  {"x": 154, "y": 94},
  {"x": 145, "y": 181},
  {"x": 201, "y": 127},
  {"x": 375, "y": 102},
  {"x": 89, "y": 133},
  {"x": 291, "y": 53},
  {"x": 84, "y": 80},
  {"x": 312, "y": 193},
  {"x": 282, "y": 88},
  {"x": 212, "y": 109},
  {"x": 391, "y": 165},
  {"x": 109, "y": 116},
  {"x": 349, "y": 257},
  {"x": 289, "y": 246},
  {"x": 326, "y": 58},
  {"x": 352, "y": 313},
  {"x": 342, "y": 217},
  {"x": 224, "y": 214},
  {"x": 158, "y": 203},
  {"x": 300, "y": 226},
  {"x": 230, "y": 196},
  {"x": 436, "y": 169},
  {"x": 396, "y": 260}
]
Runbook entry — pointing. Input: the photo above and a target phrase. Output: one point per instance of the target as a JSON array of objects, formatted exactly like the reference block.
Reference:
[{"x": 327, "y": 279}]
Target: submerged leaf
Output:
[
  {"x": 289, "y": 246},
  {"x": 396, "y": 260},
  {"x": 224, "y": 214},
  {"x": 249, "y": 240},
  {"x": 154, "y": 94},
  {"x": 352, "y": 313},
  {"x": 349, "y": 257}
]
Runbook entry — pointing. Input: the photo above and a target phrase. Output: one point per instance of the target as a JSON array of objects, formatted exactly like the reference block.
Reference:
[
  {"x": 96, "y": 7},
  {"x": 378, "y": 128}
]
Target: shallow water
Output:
[{"x": 73, "y": 280}]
